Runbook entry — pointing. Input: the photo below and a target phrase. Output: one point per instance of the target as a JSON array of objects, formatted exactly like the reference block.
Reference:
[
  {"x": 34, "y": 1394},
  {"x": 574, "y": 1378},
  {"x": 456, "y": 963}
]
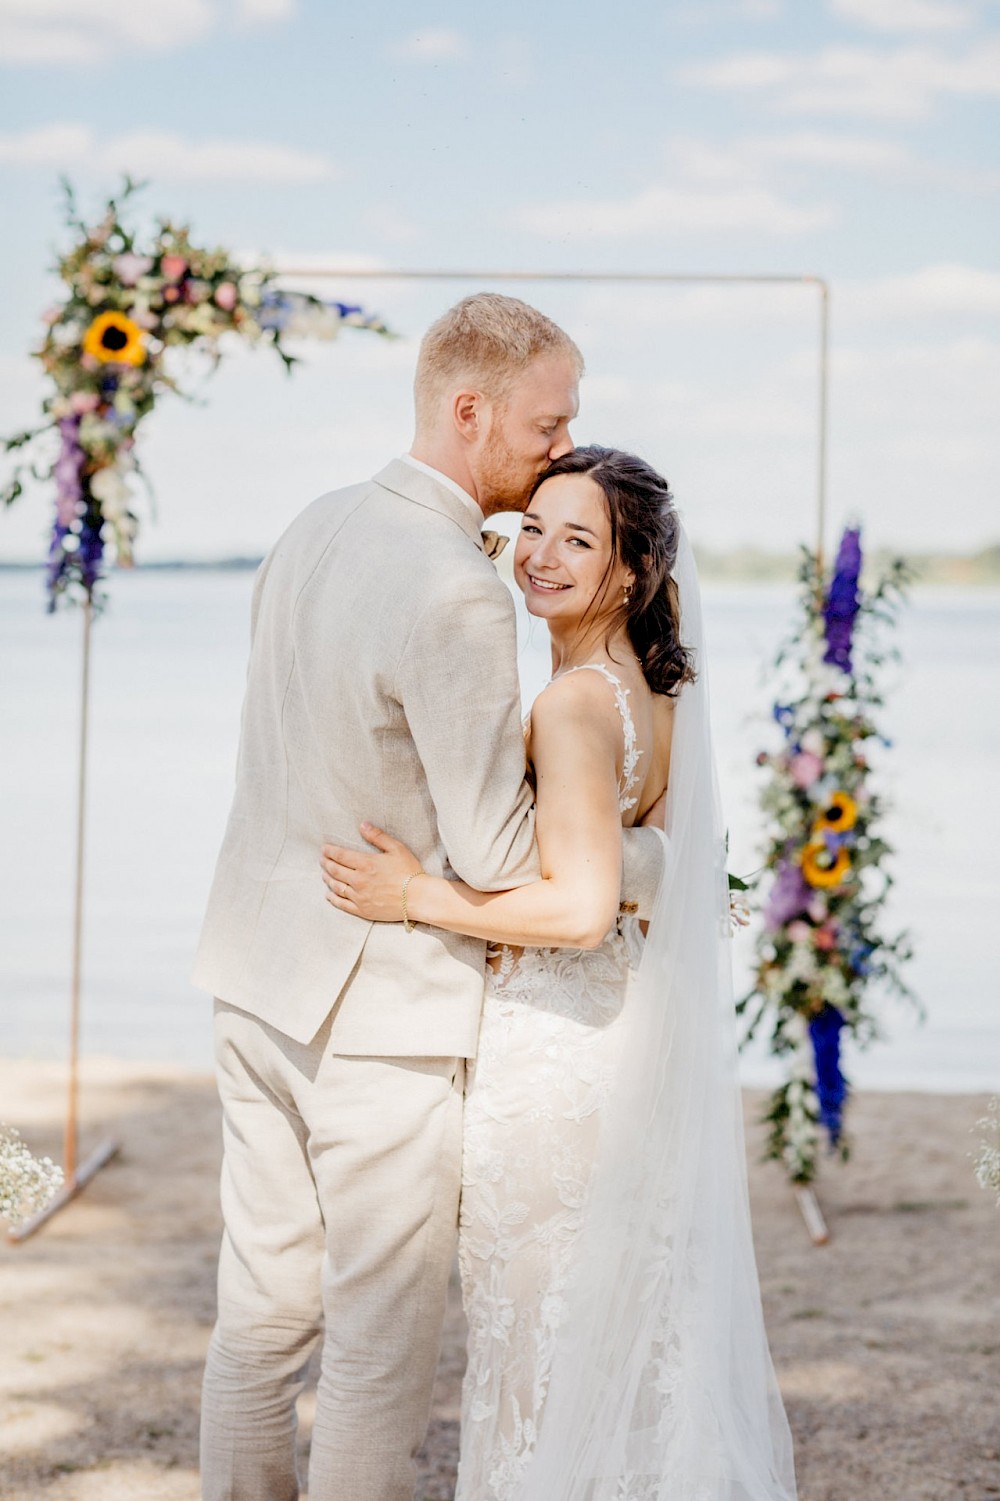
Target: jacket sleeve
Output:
[
  {"x": 457, "y": 682},
  {"x": 644, "y": 855}
]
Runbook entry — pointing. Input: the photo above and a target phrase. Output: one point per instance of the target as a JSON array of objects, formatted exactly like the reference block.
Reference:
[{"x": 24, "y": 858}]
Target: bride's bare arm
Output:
[{"x": 576, "y": 741}]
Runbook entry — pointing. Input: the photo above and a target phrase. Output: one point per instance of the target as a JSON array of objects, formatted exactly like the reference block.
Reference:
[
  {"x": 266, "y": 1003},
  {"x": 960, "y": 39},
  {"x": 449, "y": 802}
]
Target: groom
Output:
[{"x": 382, "y": 683}]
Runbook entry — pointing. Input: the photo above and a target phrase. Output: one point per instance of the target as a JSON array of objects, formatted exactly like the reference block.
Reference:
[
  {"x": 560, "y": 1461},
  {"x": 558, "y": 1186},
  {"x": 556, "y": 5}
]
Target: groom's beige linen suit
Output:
[{"x": 382, "y": 684}]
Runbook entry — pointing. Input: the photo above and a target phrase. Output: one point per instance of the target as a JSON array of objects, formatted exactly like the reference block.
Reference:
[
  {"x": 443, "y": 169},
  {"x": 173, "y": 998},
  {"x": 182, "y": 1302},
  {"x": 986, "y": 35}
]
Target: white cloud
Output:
[
  {"x": 738, "y": 161},
  {"x": 814, "y": 149},
  {"x": 256, "y": 12},
  {"x": 162, "y": 154},
  {"x": 716, "y": 12},
  {"x": 905, "y": 15},
  {"x": 906, "y": 84},
  {"x": 88, "y": 31},
  {"x": 667, "y": 211},
  {"x": 755, "y": 158},
  {"x": 436, "y": 44},
  {"x": 933, "y": 291},
  {"x": 731, "y": 306}
]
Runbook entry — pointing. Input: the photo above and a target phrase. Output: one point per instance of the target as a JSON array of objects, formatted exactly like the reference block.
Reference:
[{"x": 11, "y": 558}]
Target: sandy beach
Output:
[{"x": 886, "y": 1341}]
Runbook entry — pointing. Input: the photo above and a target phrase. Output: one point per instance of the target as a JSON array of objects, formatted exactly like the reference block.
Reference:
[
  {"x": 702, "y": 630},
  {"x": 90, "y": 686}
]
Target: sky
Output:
[{"x": 856, "y": 140}]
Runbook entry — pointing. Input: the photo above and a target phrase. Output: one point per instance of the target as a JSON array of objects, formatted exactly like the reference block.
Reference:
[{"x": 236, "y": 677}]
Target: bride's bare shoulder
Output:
[
  {"x": 575, "y": 703},
  {"x": 577, "y": 692}
]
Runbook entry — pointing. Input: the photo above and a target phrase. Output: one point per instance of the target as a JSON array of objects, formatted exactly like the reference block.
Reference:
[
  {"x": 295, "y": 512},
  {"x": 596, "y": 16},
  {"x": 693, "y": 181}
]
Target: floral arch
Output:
[{"x": 129, "y": 302}]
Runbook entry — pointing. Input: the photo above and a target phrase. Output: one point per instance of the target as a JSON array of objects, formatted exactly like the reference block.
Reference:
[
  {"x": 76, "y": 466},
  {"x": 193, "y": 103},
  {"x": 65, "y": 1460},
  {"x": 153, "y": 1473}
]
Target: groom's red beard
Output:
[{"x": 504, "y": 481}]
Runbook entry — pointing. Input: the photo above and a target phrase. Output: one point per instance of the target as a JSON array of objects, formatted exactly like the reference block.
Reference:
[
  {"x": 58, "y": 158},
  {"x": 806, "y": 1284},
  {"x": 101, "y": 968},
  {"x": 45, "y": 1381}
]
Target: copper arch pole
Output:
[{"x": 76, "y": 1177}]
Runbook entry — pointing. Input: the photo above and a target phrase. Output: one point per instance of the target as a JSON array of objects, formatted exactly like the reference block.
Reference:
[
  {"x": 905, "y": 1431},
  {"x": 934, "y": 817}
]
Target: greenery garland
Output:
[
  {"x": 821, "y": 951},
  {"x": 129, "y": 301}
]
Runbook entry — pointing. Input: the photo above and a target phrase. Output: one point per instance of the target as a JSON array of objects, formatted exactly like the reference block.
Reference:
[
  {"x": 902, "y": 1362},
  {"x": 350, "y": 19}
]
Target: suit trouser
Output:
[{"x": 340, "y": 1187}]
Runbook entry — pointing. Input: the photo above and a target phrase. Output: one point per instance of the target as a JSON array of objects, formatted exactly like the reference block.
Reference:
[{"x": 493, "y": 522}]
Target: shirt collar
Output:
[{"x": 449, "y": 484}]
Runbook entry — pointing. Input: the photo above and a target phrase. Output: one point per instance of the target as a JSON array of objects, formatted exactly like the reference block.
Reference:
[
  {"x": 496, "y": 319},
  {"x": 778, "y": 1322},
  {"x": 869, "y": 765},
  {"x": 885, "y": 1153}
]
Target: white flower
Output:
[
  {"x": 834, "y": 987},
  {"x": 250, "y": 290},
  {"x": 27, "y": 1183},
  {"x": 988, "y": 1159},
  {"x": 109, "y": 487}
]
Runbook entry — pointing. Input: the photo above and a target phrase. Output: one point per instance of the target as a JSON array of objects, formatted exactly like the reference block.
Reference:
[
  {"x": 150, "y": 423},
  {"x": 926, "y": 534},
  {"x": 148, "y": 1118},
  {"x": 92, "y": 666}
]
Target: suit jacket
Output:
[{"x": 382, "y": 683}]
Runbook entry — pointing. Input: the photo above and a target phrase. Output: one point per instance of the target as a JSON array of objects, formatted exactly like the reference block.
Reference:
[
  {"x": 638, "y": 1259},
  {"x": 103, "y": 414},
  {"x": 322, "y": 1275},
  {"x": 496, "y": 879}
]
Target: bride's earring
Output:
[{"x": 627, "y": 592}]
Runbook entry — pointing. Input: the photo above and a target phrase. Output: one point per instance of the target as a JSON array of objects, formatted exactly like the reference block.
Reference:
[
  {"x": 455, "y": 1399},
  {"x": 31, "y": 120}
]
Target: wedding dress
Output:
[{"x": 616, "y": 1348}]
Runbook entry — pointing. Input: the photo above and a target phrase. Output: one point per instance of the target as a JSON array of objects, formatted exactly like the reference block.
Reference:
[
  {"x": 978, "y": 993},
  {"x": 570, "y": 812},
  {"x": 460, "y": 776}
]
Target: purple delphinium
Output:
[
  {"x": 843, "y": 601},
  {"x": 75, "y": 545},
  {"x": 275, "y": 310},
  {"x": 831, "y": 1086},
  {"x": 67, "y": 472},
  {"x": 789, "y": 896}
]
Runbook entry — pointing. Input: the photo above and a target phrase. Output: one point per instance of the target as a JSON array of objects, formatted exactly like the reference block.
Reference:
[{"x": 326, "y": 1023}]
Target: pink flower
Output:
[
  {"x": 129, "y": 267},
  {"x": 826, "y": 937},
  {"x": 84, "y": 401},
  {"x": 805, "y": 768},
  {"x": 226, "y": 296},
  {"x": 173, "y": 267},
  {"x": 799, "y": 931}
]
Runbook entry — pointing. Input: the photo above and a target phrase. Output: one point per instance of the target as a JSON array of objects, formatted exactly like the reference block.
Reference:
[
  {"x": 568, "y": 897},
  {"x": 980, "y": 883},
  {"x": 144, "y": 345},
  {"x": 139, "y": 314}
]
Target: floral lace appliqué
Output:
[{"x": 547, "y": 1061}]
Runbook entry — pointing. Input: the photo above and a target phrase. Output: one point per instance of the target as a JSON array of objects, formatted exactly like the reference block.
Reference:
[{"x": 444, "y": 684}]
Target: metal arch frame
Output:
[
  {"x": 647, "y": 278},
  {"x": 78, "y": 1176}
]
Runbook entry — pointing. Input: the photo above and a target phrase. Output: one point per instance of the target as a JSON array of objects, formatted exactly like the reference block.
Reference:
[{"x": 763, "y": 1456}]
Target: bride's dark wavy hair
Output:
[{"x": 645, "y": 531}]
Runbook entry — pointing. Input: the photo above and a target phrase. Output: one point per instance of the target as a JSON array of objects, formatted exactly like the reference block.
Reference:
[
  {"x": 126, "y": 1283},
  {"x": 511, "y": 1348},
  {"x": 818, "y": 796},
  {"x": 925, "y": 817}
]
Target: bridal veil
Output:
[{"x": 662, "y": 1387}]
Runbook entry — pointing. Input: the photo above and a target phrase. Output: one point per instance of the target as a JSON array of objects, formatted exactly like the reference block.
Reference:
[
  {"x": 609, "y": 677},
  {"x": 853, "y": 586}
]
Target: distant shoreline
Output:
[{"x": 979, "y": 569}]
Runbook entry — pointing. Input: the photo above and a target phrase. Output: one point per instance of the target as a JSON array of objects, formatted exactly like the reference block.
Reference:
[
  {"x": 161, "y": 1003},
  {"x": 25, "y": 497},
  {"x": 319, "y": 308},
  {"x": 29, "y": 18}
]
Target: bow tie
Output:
[{"x": 494, "y": 544}]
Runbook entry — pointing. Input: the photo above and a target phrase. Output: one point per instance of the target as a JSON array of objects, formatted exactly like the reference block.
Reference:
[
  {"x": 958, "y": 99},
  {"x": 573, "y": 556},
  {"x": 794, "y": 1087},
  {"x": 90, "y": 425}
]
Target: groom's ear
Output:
[{"x": 468, "y": 410}]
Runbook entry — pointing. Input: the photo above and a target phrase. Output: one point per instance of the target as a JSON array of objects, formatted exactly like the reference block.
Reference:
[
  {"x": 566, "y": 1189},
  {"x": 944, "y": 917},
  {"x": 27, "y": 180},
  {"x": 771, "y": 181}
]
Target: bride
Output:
[{"x": 616, "y": 1343}]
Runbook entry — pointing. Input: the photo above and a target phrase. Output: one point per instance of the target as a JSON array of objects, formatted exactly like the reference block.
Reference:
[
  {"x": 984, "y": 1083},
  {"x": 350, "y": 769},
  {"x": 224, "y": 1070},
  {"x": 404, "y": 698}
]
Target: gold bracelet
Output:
[{"x": 408, "y": 926}]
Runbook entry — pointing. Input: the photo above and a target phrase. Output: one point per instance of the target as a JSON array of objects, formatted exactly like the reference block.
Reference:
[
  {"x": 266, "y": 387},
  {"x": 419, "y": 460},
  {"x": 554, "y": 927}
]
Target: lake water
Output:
[{"x": 168, "y": 669}]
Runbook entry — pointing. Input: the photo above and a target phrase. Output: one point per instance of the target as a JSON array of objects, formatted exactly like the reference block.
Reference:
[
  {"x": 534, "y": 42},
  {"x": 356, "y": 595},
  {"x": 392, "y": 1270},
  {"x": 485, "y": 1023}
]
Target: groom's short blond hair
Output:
[{"x": 485, "y": 340}]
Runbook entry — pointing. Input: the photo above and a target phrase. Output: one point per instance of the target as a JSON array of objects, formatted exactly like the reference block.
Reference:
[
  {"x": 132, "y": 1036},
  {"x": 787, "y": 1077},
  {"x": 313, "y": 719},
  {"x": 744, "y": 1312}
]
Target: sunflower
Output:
[
  {"x": 114, "y": 339},
  {"x": 839, "y": 814},
  {"x": 820, "y": 868}
]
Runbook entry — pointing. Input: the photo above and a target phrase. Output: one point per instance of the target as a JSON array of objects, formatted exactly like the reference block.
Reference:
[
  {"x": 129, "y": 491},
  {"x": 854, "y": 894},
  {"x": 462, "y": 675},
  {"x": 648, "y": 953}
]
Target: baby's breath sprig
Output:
[
  {"x": 27, "y": 1183},
  {"x": 987, "y": 1160}
]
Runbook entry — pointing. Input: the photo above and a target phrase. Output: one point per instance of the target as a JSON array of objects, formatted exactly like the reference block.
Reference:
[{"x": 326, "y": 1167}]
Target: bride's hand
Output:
[{"x": 366, "y": 885}]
